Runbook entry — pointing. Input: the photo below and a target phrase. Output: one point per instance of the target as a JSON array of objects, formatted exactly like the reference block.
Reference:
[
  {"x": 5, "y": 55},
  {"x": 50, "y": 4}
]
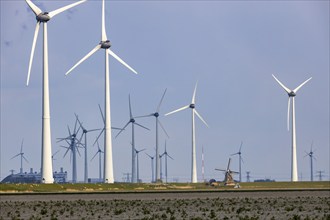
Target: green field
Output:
[{"x": 147, "y": 187}]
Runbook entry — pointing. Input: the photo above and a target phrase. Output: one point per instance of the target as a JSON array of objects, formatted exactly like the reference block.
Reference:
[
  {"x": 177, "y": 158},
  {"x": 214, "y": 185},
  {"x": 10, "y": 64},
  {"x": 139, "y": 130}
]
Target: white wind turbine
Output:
[
  {"x": 105, "y": 44},
  {"x": 292, "y": 94},
  {"x": 156, "y": 115},
  {"x": 239, "y": 153},
  {"x": 193, "y": 154},
  {"x": 44, "y": 17}
]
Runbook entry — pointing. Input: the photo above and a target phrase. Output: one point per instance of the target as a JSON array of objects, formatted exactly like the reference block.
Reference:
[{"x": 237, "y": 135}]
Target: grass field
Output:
[{"x": 128, "y": 187}]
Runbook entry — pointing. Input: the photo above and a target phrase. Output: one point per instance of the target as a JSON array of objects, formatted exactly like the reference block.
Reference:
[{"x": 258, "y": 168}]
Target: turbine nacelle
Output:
[
  {"x": 43, "y": 17},
  {"x": 292, "y": 94},
  {"x": 156, "y": 114},
  {"x": 192, "y": 106},
  {"x": 105, "y": 44},
  {"x": 132, "y": 120}
]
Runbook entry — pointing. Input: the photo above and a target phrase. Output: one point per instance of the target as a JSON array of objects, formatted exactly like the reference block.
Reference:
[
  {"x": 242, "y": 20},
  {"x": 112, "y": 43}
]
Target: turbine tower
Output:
[
  {"x": 156, "y": 115},
  {"x": 22, "y": 157},
  {"x": 46, "y": 148},
  {"x": 193, "y": 154},
  {"x": 292, "y": 94},
  {"x": 166, "y": 155},
  {"x": 132, "y": 121},
  {"x": 85, "y": 131},
  {"x": 311, "y": 157},
  {"x": 239, "y": 153},
  {"x": 152, "y": 167},
  {"x": 105, "y": 44},
  {"x": 99, "y": 152}
]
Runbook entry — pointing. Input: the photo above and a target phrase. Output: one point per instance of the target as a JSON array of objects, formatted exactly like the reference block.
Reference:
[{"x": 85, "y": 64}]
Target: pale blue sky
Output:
[{"x": 231, "y": 48}]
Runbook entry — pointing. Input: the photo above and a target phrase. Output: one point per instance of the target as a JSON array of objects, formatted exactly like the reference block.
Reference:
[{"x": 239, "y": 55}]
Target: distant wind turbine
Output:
[
  {"x": 99, "y": 152},
  {"x": 137, "y": 164},
  {"x": 133, "y": 122},
  {"x": 156, "y": 115},
  {"x": 166, "y": 156},
  {"x": 239, "y": 153},
  {"x": 44, "y": 17},
  {"x": 311, "y": 157},
  {"x": 105, "y": 44},
  {"x": 21, "y": 154},
  {"x": 84, "y": 133},
  {"x": 292, "y": 94},
  {"x": 152, "y": 167},
  {"x": 193, "y": 154}
]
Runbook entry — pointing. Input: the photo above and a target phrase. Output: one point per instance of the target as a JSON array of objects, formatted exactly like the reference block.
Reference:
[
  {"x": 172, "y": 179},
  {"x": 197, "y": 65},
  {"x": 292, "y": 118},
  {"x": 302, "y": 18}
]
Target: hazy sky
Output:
[{"x": 230, "y": 47}]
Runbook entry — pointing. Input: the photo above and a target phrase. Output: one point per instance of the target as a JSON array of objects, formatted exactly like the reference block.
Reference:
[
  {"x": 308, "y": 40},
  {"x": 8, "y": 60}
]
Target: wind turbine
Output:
[
  {"x": 105, "y": 44},
  {"x": 239, "y": 153},
  {"x": 22, "y": 157},
  {"x": 229, "y": 180},
  {"x": 84, "y": 133},
  {"x": 99, "y": 151},
  {"x": 193, "y": 153},
  {"x": 156, "y": 115},
  {"x": 152, "y": 167},
  {"x": 292, "y": 94},
  {"x": 137, "y": 164},
  {"x": 166, "y": 155},
  {"x": 73, "y": 142},
  {"x": 46, "y": 149},
  {"x": 132, "y": 121},
  {"x": 312, "y": 157},
  {"x": 53, "y": 156}
]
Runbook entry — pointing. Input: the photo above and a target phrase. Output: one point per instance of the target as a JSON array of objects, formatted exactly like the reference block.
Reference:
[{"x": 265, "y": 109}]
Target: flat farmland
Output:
[{"x": 181, "y": 204}]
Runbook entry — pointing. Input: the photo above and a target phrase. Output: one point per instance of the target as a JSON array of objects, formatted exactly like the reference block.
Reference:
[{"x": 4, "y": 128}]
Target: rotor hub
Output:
[
  {"x": 105, "y": 44},
  {"x": 132, "y": 120},
  {"x": 192, "y": 106},
  {"x": 292, "y": 94},
  {"x": 43, "y": 17},
  {"x": 156, "y": 114}
]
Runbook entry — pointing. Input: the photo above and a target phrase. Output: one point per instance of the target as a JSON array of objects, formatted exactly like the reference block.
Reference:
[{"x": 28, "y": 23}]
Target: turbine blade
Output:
[
  {"x": 69, "y": 131},
  {"x": 32, "y": 51},
  {"x": 94, "y": 155},
  {"x": 104, "y": 34},
  {"x": 163, "y": 128},
  {"x": 144, "y": 116},
  {"x": 180, "y": 109},
  {"x": 283, "y": 86},
  {"x": 228, "y": 163},
  {"x": 15, "y": 156},
  {"x": 60, "y": 10},
  {"x": 200, "y": 117},
  {"x": 233, "y": 154},
  {"x": 220, "y": 170},
  {"x": 33, "y": 7},
  {"x": 22, "y": 146},
  {"x": 240, "y": 148},
  {"x": 142, "y": 126},
  {"x": 25, "y": 159},
  {"x": 121, "y": 61},
  {"x": 84, "y": 58},
  {"x": 96, "y": 141},
  {"x": 296, "y": 89},
  {"x": 114, "y": 128},
  {"x": 79, "y": 121},
  {"x": 102, "y": 114},
  {"x": 170, "y": 156},
  {"x": 288, "y": 116},
  {"x": 129, "y": 106},
  {"x": 123, "y": 129},
  {"x": 161, "y": 100},
  {"x": 194, "y": 95},
  {"x": 94, "y": 130},
  {"x": 75, "y": 126},
  {"x": 66, "y": 152}
]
